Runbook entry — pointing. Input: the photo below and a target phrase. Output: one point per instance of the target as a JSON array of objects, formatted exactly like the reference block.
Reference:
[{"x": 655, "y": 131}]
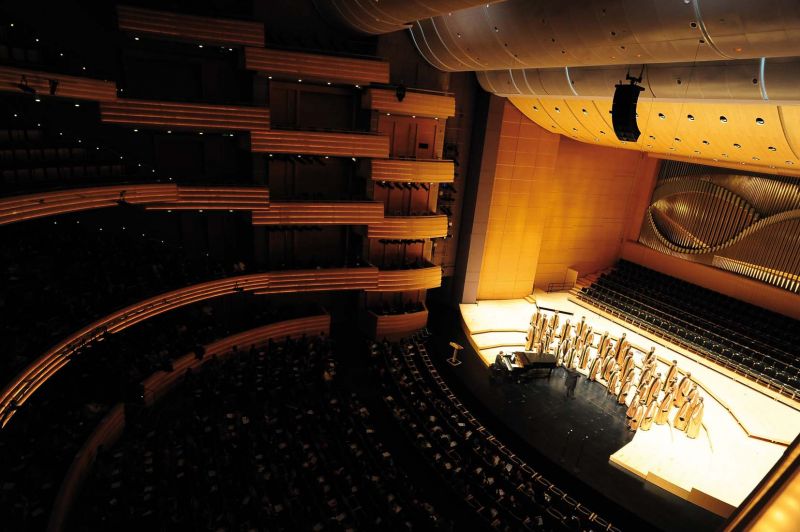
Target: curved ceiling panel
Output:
[
  {"x": 518, "y": 34},
  {"x": 384, "y": 16},
  {"x": 746, "y": 80},
  {"x": 760, "y": 137}
]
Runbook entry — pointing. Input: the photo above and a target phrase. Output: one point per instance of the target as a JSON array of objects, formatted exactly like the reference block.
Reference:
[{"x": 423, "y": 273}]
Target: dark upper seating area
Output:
[
  {"x": 258, "y": 440},
  {"x": 63, "y": 273},
  {"x": 504, "y": 492},
  {"x": 748, "y": 339}
]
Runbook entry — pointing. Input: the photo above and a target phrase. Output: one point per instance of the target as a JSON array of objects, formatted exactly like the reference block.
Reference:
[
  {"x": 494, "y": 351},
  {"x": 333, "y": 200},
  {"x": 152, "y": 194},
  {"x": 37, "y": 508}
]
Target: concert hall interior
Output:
[{"x": 400, "y": 265}]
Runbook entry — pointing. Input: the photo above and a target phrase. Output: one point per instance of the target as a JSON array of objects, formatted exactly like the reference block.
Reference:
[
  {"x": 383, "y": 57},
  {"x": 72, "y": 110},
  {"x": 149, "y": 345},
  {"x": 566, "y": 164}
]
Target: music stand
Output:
[{"x": 454, "y": 361}]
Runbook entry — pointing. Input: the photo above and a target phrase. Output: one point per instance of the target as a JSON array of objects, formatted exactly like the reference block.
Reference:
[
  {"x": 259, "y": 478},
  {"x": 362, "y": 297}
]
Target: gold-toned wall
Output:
[{"x": 556, "y": 203}]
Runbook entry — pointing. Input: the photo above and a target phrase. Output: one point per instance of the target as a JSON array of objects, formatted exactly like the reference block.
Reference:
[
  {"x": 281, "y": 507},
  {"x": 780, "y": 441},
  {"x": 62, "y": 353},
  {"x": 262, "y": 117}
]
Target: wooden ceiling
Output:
[{"x": 758, "y": 137}]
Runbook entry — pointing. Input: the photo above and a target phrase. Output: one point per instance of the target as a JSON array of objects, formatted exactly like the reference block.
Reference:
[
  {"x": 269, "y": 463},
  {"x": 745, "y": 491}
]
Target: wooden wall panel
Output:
[
  {"x": 410, "y": 227},
  {"x": 411, "y": 279},
  {"x": 190, "y": 28},
  {"x": 31, "y": 206},
  {"x": 68, "y": 86},
  {"x": 412, "y": 171},
  {"x": 589, "y": 202},
  {"x": 217, "y": 198},
  {"x": 335, "y": 144},
  {"x": 414, "y": 103},
  {"x": 320, "y": 213},
  {"x": 316, "y": 67},
  {"x": 397, "y": 325},
  {"x": 196, "y": 116},
  {"x": 556, "y": 203}
]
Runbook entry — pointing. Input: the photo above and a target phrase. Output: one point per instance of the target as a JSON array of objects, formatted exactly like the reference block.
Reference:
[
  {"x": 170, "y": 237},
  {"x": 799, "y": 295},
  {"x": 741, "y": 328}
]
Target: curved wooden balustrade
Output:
[
  {"x": 321, "y": 280},
  {"x": 316, "y": 67},
  {"x": 414, "y": 103},
  {"x": 28, "y": 381},
  {"x": 153, "y": 196},
  {"x": 68, "y": 86},
  {"x": 217, "y": 198},
  {"x": 412, "y": 171},
  {"x": 333, "y": 143},
  {"x": 396, "y": 325},
  {"x": 156, "y": 386},
  {"x": 411, "y": 227},
  {"x": 411, "y": 279},
  {"x": 320, "y": 213},
  {"x": 31, "y": 206},
  {"x": 189, "y": 28},
  {"x": 195, "y": 116}
]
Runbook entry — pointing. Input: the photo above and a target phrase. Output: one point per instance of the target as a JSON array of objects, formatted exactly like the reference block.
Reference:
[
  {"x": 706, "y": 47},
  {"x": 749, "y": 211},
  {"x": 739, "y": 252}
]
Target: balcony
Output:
[
  {"x": 332, "y": 143},
  {"x": 429, "y": 276},
  {"x": 139, "y": 21},
  {"x": 410, "y": 227},
  {"x": 396, "y": 325},
  {"x": 216, "y": 198},
  {"x": 316, "y": 67},
  {"x": 412, "y": 170},
  {"x": 67, "y": 87},
  {"x": 31, "y": 206},
  {"x": 422, "y": 104},
  {"x": 192, "y": 116},
  {"x": 320, "y": 213}
]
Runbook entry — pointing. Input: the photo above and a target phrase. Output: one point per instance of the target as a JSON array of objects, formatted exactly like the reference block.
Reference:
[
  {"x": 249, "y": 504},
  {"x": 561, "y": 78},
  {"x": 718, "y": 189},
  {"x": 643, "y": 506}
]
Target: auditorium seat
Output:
[{"x": 755, "y": 341}]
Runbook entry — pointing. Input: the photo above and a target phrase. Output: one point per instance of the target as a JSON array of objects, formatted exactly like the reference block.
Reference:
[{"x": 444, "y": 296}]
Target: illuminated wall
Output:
[
  {"x": 747, "y": 224},
  {"x": 555, "y": 204}
]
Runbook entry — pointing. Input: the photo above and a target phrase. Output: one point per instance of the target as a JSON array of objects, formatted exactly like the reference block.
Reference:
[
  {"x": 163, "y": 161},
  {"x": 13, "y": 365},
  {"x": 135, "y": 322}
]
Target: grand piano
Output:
[{"x": 525, "y": 361}]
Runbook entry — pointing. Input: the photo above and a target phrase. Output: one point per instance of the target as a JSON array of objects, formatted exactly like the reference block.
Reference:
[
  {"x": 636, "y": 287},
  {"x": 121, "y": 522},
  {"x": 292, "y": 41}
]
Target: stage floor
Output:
[{"x": 746, "y": 429}]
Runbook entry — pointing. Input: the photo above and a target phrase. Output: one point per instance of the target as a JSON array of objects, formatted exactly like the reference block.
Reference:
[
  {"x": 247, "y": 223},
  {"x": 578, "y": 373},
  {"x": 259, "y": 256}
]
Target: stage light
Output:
[{"x": 623, "y": 109}]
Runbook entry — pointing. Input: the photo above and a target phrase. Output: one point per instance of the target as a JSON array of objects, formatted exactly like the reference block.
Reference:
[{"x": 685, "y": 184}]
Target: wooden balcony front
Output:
[
  {"x": 410, "y": 279},
  {"x": 193, "y": 116},
  {"x": 412, "y": 171},
  {"x": 292, "y": 65},
  {"x": 332, "y": 143},
  {"x": 410, "y": 227},
  {"x": 75, "y": 87},
  {"x": 323, "y": 279},
  {"x": 394, "y": 326},
  {"x": 190, "y": 28},
  {"x": 51, "y": 362},
  {"x": 422, "y": 104},
  {"x": 320, "y": 213},
  {"x": 217, "y": 198},
  {"x": 31, "y": 206}
]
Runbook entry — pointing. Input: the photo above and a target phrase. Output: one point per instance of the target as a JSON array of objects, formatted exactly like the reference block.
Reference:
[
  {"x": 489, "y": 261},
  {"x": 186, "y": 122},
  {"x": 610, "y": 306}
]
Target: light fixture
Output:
[{"x": 723, "y": 119}]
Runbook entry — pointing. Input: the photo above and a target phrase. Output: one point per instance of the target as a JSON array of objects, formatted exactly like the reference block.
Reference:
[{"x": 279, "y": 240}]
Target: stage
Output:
[{"x": 746, "y": 427}]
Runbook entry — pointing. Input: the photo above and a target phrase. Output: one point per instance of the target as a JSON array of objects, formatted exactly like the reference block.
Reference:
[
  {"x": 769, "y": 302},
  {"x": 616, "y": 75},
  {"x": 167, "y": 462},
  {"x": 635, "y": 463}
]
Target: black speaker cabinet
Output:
[{"x": 623, "y": 112}]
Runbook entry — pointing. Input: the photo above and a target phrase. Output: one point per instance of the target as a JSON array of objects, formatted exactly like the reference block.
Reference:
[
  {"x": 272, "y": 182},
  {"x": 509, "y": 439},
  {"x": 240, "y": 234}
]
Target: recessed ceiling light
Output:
[
  {"x": 772, "y": 148},
  {"x": 737, "y": 145},
  {"x": 558, "y": 110},
  {"x": 723, "y": 119},
  {"x": 756, "y": 158},
  {"x": 662, "y": 116},
  {"x": 690, "y": 117},
  {"x": 706, "y": 142},
  {"x": 760, "y": 121}
]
